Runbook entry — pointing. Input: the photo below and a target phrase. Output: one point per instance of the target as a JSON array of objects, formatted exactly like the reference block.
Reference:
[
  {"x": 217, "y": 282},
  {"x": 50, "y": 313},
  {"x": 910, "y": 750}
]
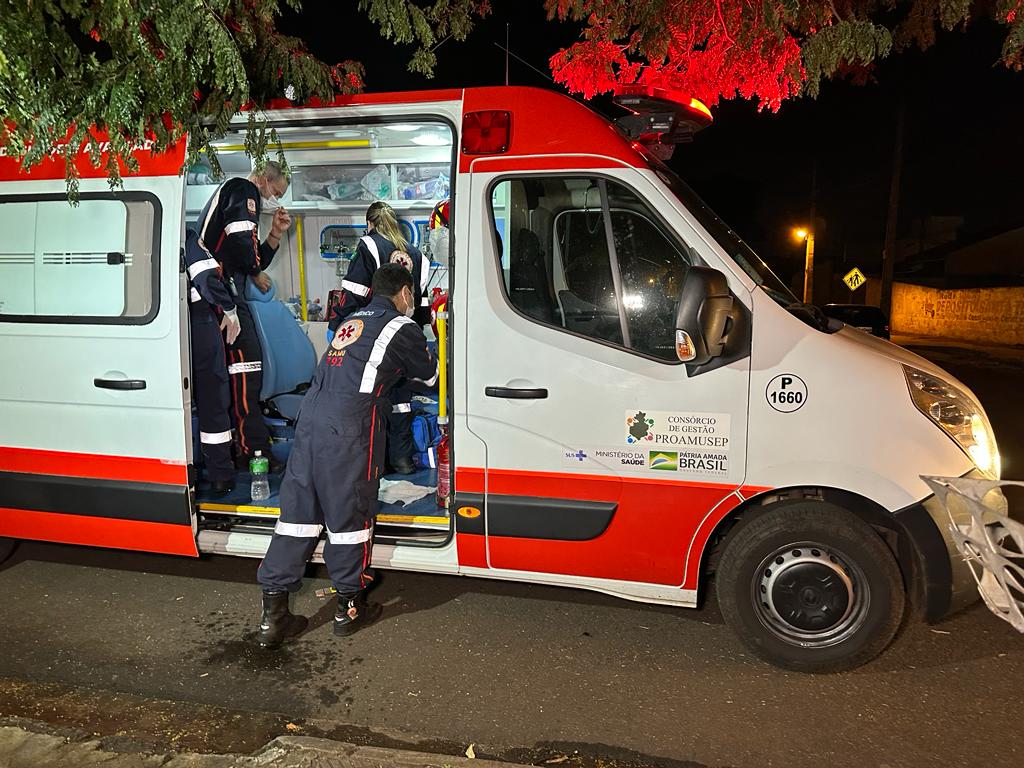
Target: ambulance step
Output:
[
  {"x": 253, "y": 541},
  {"x": 427, "y": 522},
  {"x": 248, "y": 543},
  {"x": 238, "y": 510},
  {"x": 439, "y": 522},
  {"x": 385, "y": 535}
]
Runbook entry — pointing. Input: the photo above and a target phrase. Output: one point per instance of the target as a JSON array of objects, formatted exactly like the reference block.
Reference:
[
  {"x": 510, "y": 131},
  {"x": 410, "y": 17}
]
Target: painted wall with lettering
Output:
[{"x": 989, "y": 315}]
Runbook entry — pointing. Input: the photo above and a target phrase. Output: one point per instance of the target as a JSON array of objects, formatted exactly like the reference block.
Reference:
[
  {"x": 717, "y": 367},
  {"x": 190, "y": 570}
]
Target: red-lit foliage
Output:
[
  {"x": 766, "y": 50},
  {"x": 714, "y": 49}
]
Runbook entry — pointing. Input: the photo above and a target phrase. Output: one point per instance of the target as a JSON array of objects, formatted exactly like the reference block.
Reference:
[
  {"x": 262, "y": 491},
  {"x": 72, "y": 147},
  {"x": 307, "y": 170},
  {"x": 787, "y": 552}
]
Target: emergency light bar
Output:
[{"x": 659, "y": 118}]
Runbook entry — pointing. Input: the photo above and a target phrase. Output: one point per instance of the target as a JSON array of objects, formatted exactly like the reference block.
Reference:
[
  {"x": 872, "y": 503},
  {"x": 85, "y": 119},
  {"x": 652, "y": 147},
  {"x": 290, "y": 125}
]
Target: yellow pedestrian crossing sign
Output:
[{"x": 854, "y": 279}]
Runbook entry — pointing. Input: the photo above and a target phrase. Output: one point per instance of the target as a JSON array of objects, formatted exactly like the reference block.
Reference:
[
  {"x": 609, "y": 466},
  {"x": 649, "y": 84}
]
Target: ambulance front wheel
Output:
[
  {"x": 810, "y": 587},
  {"x": 6, "y": 548}
]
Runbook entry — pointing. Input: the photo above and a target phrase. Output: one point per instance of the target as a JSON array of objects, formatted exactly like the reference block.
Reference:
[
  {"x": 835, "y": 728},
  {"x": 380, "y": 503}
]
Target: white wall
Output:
[{"x": 320, "y": 274}]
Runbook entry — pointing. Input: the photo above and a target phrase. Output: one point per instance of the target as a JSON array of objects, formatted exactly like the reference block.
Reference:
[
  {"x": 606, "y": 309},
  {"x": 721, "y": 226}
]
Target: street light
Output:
[{"x": 801, "y": 233}]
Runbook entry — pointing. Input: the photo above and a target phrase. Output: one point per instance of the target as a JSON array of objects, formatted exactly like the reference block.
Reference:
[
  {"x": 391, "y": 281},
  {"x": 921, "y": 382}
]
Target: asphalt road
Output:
[{"x": 155, "y": 647}]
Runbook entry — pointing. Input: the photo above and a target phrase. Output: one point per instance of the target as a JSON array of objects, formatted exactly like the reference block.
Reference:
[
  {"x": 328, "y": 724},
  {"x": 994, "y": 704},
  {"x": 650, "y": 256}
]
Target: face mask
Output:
[
  {"x": 409, "y": 308},
  {"x": 268, "y": 200}
]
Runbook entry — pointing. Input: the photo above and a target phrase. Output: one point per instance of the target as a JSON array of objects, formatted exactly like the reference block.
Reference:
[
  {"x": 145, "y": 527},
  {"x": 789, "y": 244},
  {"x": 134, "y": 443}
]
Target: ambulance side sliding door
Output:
[{"x": 93, "y": 438}]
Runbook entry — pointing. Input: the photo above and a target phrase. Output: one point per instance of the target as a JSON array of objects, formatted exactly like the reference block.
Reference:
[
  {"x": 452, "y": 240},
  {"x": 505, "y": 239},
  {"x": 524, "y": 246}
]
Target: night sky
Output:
[{"x": 964, "y": 146}]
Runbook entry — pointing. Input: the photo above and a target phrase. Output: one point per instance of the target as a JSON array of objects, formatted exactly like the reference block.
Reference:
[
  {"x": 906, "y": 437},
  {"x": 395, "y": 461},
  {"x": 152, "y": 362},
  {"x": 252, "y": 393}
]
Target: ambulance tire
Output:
[
  {"x": 6, "y": 548},
  {"x": 826, "y": 571}
]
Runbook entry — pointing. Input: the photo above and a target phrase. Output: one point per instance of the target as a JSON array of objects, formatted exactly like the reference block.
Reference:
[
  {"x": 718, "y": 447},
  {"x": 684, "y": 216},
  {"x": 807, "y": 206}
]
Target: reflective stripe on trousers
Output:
[{"x": 298, "y": 530}]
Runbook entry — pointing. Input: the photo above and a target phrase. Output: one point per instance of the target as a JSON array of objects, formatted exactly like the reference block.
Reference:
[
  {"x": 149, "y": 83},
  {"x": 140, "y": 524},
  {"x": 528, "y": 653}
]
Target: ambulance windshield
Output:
[{"x": 730, "y": 242}]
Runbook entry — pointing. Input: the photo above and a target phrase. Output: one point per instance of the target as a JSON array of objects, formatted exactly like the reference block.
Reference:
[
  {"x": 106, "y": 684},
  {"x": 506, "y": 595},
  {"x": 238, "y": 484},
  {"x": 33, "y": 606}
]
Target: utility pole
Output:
[
  {"x": 892, "y": 219},
  {"x": 811, "y": 226}
]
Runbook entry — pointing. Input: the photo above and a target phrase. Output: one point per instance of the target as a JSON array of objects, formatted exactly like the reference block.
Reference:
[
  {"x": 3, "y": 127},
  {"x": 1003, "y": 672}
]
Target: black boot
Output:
[
  {"x": 219, "y": 488},
  {"x": 277, "y": 622},
  {"x": 354, "y": 613},
  {"x": 403, "y": 466}
]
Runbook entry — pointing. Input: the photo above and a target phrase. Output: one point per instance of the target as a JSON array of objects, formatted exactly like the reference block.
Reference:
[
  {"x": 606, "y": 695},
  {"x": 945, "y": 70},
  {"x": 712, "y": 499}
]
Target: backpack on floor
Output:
[{"x": 426, "y": 434}]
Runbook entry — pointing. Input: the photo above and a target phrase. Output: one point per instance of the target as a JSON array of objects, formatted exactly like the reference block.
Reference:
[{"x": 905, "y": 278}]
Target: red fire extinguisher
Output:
[
  {"x": 438, "y": 300},
  {"x": 439, "y": 316},
  {"x": 444, "y": 477}
]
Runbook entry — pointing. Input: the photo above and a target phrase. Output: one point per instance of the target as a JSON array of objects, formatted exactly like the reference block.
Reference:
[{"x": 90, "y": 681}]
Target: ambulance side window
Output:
[
  {"x": 558, "y": 269},
  {"x": 92, "y": 262},
  {"x": 652, "y": 268}
]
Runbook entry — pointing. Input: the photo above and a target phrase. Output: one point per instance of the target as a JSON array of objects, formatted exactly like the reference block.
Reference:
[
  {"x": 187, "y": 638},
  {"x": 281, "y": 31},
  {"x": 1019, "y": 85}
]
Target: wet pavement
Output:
[
  {"x": 156, "y": 649},
  {"x": 525, "y": 673}
]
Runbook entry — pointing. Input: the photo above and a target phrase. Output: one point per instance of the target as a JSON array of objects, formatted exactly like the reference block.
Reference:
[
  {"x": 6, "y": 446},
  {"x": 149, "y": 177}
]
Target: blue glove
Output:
[{"x": 330, "y": 335}]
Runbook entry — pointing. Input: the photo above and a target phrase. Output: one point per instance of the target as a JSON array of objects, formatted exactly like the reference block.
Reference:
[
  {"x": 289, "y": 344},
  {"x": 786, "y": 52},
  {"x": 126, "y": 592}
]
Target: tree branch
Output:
[{"x": 721, "y": 20}]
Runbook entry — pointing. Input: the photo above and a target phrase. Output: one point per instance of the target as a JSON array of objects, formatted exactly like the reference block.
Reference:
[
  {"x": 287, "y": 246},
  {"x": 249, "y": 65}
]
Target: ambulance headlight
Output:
[{"x": 958, "y": 415}]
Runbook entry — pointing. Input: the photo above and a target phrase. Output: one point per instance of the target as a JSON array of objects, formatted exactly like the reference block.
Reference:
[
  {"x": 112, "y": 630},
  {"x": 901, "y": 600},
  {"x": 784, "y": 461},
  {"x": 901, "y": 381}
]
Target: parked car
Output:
[{"x": 870, "y": 319}]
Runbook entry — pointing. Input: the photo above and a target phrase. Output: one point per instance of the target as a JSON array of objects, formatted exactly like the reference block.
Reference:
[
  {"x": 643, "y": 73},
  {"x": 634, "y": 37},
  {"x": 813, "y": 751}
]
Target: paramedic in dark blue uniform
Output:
[
  {"x": 333, "y": 474},
  {"x": 211, "y": 312},
  {"x": 384, "y": 244},
  {"x": 228, "y": 230}
]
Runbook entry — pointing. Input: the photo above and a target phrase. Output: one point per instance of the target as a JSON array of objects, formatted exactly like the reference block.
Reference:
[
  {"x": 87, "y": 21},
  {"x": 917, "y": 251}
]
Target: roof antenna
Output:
[{"x": 506, "y": 52}]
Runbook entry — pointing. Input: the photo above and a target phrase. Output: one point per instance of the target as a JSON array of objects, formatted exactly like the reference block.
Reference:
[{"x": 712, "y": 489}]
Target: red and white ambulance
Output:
[{"x": 637, "y": 402}]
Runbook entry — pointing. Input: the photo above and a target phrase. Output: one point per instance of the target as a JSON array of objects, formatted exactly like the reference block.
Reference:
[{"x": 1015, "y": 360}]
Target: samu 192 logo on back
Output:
[
  {"x": 347, "y": 333},
  {"x": 403, "y": 258}
]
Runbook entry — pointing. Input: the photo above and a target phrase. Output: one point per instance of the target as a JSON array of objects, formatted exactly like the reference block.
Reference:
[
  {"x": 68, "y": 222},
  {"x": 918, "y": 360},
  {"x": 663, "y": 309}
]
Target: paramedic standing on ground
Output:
[
  {"x": 211, "y": 310},
  {"x": 228, "y": 230},
  {"x": 385, "y": 244},
  {"x": 333, "y": 475}
]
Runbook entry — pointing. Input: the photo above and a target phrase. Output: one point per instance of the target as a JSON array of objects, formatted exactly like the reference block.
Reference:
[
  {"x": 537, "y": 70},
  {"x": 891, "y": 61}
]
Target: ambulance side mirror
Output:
[{"x": 703, "y": 315}]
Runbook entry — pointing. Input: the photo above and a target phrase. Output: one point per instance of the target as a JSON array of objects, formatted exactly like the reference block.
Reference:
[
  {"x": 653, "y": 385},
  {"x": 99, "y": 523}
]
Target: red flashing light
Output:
[
  {"x": 486, "y": 133},
  {"x": 636, "y": 98}
]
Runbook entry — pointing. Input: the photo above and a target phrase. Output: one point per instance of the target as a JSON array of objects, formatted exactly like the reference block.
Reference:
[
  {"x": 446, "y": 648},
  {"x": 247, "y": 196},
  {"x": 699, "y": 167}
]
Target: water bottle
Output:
[{"x": 259, "y": 466}]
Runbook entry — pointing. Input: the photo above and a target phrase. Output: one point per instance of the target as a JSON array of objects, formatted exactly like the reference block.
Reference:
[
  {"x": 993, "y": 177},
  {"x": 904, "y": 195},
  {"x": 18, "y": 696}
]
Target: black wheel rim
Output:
[{"x": 810, "y": 595}]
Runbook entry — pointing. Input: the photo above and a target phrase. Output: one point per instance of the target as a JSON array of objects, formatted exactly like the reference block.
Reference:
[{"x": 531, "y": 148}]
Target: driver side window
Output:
[{"x": 587, "y": 255}]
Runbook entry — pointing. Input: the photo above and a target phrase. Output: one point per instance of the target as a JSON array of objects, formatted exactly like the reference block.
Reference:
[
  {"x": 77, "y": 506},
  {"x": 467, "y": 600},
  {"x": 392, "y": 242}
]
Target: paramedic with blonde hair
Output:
[{"x": 384, "y": 244}]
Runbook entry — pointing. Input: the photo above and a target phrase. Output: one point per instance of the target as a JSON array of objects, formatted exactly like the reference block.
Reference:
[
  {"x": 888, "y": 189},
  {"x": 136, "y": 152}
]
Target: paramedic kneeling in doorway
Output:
[
  {"x": 384, "y": 244},
  {"x": 333, "y": 475},
  {"x": 228, "y": 229}
]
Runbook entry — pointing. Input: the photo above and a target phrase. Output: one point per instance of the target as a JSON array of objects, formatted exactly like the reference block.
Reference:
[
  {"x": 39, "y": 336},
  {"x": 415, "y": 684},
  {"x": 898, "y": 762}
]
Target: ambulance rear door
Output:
[
  {"x": 605, "y": 457},
  {"x": 94, "y": 445}
]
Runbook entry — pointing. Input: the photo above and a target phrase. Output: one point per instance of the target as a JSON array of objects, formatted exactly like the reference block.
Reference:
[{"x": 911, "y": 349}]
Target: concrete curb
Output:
[{"x": 29, "y": 744}]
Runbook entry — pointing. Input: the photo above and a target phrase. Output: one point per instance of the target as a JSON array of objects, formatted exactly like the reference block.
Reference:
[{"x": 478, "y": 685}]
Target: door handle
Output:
[
  {"x": 515, "y": 393},
  {"x": 119, "y": 383}
]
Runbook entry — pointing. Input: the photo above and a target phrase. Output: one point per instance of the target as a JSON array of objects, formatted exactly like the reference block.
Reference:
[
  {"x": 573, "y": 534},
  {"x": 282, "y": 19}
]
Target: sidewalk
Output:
[
  {"x": 996, "y": 350},
  {"x": 943, "y": 349},
  {"x": 31, "y": 744}
]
